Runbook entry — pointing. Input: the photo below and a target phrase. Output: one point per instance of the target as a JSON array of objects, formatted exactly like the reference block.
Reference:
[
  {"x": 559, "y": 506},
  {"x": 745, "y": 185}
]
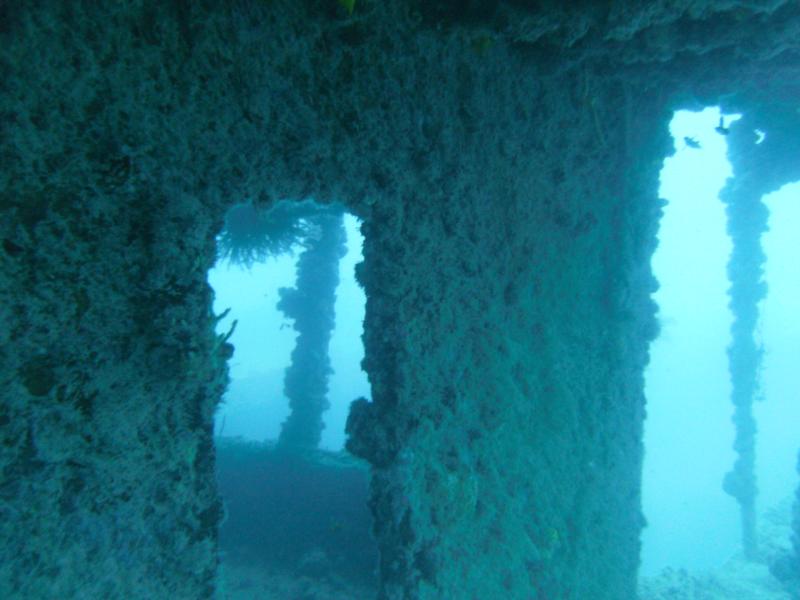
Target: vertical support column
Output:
[
  {"x": 311, "y": 303},
  {"x": 747, "y": 221},
  {"x": 507, "y": 327},
  {"x": 758, "y": 169}
]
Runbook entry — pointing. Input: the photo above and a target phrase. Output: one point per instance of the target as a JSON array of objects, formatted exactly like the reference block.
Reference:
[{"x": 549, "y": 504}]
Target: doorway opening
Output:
[
  {"x": 257, "y": 287},
  {"x": 297, "y": 522}
]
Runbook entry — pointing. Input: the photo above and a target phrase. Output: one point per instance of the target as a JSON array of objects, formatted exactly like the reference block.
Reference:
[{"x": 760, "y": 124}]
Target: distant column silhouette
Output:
[
  {"x": 747, "y": 221},
  {"x": 253, "y": 234},
  {"x": 311, "y": 304},
  {"x": 759, "y": 168}
]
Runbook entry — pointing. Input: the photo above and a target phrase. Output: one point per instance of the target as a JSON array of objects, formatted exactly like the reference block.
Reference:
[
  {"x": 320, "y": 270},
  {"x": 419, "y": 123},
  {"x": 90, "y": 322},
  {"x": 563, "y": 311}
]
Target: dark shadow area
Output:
[{"x": 300, "y": 519}]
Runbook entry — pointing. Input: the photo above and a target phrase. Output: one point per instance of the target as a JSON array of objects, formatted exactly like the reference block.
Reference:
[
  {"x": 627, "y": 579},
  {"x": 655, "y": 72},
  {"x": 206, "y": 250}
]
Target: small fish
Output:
[
  {"x": 691, "y": 142},
  {"x": 721, "y": 129}
]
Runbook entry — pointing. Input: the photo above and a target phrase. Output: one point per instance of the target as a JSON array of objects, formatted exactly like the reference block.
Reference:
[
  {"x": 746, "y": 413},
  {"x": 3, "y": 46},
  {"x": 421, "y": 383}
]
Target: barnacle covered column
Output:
[
  {"x": 759, "y": 167},
  {"x": 747, "y": 221},
  {"x": 508, "y": 317},
  {"x": 110, "y": 370},
  {"x": 311, "y": 304}
]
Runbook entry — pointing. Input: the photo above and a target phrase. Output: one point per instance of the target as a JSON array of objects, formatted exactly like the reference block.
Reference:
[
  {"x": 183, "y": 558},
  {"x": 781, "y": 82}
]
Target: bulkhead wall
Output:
[{"x": 504, "y": 162}]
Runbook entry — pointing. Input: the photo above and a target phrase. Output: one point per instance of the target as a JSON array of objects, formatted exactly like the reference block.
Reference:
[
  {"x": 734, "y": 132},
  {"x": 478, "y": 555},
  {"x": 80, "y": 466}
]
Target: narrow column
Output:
[
  {"x": 747, "y": 221},
  {"x": 311, "y": 303},
  {"x": 759, "y": 168}
]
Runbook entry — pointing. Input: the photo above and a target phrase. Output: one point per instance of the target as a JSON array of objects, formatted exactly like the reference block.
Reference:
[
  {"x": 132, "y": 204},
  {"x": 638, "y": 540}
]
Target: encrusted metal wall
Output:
[{"x": 504, "y": 158}]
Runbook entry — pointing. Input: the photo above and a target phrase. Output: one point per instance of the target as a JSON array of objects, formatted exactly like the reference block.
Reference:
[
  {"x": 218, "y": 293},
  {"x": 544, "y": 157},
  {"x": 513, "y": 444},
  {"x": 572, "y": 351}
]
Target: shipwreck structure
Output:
[{"x": 503, "y": 156}]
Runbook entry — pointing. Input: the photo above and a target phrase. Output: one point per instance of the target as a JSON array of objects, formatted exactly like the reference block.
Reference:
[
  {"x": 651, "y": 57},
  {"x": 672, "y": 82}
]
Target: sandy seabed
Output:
[
  {"x": 738, "y": 578},
  {"x": 241, "y": 581}
]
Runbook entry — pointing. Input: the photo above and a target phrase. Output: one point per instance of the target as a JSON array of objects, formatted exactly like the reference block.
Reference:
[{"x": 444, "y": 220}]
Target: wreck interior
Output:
[{"x": 502, "y": 158}]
